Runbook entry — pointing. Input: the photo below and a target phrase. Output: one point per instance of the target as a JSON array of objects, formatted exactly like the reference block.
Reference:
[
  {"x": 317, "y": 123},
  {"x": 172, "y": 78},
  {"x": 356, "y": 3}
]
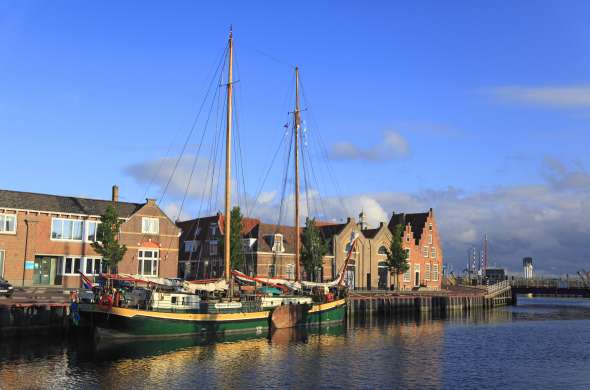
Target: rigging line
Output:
[
  {"x": 219, "y": 152},
  {"x": 197, "y": 154},
  {"x": 206, "y": 126},
  {"x": 313, "y": 172},
  {"x": 265, "y": 177},
  {"x": 172, "y": 141},
  {"x": 242, "y": 163},
  {"x": 287, "y": 166},
  {"x": 323, "y": 149},
  {"x": 269, "y": 56},
  {"x": 191, "y": 130},
  {"x": 305, "y": 181}
]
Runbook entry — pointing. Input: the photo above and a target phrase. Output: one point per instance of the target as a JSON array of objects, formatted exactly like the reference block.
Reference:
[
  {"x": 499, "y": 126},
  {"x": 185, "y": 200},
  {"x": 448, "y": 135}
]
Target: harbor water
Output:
[{"x": 541, "y": 343}]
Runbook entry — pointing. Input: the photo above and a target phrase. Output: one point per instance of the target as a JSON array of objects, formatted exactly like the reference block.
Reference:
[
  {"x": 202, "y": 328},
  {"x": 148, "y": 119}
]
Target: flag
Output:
[{"x": 86, "y": 283}]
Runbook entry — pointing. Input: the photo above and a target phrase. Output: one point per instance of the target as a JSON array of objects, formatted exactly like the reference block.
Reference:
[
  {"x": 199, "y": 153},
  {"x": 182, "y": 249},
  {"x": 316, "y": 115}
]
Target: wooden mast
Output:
[
  {"x": 227, "y": 223},
  {"x": 297, "y": 125}
]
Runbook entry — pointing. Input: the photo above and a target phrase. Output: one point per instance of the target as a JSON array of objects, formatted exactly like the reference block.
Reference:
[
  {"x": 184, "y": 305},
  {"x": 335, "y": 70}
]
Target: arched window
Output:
[{"x": 382, "y": 250}]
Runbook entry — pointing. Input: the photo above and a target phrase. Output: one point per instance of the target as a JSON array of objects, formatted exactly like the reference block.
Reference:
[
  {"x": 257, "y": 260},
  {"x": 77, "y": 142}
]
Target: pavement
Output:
[{"x": 33, "y": 295}]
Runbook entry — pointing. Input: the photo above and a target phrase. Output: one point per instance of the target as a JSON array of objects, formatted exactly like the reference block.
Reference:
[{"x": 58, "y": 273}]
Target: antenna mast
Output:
[{"x": 227, "y": 224}]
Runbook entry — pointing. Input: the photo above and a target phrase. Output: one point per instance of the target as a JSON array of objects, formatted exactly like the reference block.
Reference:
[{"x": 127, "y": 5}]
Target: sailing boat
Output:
[{"x": 145, "y": 318}]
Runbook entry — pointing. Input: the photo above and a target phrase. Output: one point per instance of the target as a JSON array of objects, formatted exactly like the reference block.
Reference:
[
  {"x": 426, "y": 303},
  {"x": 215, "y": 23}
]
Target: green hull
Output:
[{"x": 139, "y": 323}]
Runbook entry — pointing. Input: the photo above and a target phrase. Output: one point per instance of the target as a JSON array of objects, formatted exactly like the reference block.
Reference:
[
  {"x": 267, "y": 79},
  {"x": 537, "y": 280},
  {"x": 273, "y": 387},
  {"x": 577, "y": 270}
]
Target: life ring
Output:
[{"x": 105, "y": 302}]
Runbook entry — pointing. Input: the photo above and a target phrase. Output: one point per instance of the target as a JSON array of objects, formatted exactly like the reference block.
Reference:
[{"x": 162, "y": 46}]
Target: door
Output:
[
  {"x": 45, "y": 271},
  {"x": 417, "y": 275},
  {"x": 382, "y": 270},
  {"x": 1, "y": 263}
]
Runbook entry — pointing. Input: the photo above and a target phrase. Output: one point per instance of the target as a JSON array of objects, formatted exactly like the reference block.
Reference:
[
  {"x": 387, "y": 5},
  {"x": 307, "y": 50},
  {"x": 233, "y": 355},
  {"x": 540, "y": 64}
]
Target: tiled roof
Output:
[
  {"x": 370, "y": 233},
  {"x": 63, "y": 204}
]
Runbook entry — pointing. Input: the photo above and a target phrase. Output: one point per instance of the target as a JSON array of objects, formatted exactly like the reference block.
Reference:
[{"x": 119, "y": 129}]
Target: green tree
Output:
[
  {"x": 236, "y": 250},
  {"x": 397, "y": 257},
  {"x": 313, "y": 249},
  {"x": 107, "y": 235}
]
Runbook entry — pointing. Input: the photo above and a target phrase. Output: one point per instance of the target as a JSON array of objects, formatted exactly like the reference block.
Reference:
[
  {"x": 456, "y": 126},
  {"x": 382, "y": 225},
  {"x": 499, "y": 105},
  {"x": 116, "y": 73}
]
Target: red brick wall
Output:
[{"x": 33, "y": 232}]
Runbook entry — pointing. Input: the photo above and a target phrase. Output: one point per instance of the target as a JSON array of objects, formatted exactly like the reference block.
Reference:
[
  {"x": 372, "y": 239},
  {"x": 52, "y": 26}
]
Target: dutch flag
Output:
[{"x": 86, "y": 283}]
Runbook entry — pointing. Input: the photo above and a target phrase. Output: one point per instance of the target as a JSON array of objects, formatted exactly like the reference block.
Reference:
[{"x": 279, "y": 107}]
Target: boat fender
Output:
[{"x": 105, "y": 302}]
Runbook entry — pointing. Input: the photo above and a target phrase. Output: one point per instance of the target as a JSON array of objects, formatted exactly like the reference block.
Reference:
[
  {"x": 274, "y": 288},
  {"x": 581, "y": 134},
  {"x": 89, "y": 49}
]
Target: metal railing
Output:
[
  {"x": 547, "y": 283},
  {"x": 500, "y": 286}
]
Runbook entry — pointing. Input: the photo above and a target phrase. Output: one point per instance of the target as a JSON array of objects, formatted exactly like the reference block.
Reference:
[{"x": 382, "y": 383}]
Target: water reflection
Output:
[{"x": 366, "y": 352}]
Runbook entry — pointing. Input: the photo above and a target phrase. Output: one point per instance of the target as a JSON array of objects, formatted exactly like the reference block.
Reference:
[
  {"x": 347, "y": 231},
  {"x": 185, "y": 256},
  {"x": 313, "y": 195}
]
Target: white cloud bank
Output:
[{"x": 549, "y": 221}]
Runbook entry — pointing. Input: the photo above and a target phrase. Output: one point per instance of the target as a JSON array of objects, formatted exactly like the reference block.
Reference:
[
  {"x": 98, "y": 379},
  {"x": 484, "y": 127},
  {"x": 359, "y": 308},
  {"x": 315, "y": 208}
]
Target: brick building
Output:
[
  {"x": 45, "y": 239},
  {"x": 270, "y": 250}
]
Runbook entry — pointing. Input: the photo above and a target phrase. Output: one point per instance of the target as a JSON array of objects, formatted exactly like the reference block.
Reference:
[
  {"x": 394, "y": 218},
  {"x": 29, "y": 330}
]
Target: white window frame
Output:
[
  {"x": 425, "y": 251},
  {"x": 213, "y": 248},
  {"x": 63, "y": 220},
  {"x": 84, "y": 265},
  {"x": 277, "y": 243},
  {"x": 213, "y": 229},
  {"x": 408, "y": 253},
  {"x": 73, "y": 270},
  {"x": 87, "y": 229},
  {"x": 430, "y": 239},
  {"x": 3, "y": 223},
  {"x": 146, "y": 229},
  {"x": 429, "y": 227},
  {"x": 272, "y": 270},
  {"x": 290, "y": 271},
  {"x": 154, "y": 259},
  {"x": 417, "y": 269},
  {"x": 407, "y": 273},
  {"x": 435, "y": 272},
  {"x": 427, "y": 271},
  {"x": 433, "y": 252}
]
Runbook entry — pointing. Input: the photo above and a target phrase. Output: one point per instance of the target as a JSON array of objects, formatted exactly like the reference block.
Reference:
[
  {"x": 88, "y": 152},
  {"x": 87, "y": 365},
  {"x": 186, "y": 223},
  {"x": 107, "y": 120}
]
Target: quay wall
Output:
[
  {"x": 24, "y": 319},
  {"x": 391, "y": 303}
]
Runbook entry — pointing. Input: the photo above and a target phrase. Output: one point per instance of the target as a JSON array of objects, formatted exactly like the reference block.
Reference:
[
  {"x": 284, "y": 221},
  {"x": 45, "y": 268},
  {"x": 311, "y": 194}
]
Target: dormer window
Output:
[
  {"x": 213, "y": 229},
  {"x": 430, "y": 227},
  {"x": 277, "y": 243}
]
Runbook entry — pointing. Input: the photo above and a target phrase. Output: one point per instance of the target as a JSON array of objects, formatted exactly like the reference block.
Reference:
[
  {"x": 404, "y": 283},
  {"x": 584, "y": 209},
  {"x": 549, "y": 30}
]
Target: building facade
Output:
[
  {"x": 46, "y": 239},
  {"x": 270, "y": 251}
]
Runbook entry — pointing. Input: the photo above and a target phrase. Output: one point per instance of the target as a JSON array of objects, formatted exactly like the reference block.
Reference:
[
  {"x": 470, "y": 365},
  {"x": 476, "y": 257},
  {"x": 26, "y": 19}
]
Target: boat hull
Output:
[{"x": 124, "y": 322}]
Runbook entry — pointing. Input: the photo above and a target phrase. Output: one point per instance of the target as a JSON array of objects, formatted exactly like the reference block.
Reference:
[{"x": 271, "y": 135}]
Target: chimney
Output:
[{"x": 115, "y": 195}]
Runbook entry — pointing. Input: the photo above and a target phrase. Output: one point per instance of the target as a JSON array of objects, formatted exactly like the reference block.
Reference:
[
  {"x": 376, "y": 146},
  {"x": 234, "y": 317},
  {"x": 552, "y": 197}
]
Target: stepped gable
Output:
[{"x": 417, "y": 222}]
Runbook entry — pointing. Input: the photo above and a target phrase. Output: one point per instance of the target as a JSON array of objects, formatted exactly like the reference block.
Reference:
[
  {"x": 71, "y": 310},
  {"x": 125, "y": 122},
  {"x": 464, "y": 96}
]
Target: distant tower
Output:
[
  {"x": 485, "y": 253},
  {"x": 362, "y": 224},
  {"x": 527, "y": 265}
]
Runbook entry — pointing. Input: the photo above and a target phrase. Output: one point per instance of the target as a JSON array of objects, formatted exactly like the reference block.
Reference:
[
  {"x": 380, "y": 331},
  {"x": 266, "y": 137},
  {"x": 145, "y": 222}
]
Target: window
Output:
[
  {"x": 66, "y": 229},
  {"x": 271, "y": 270},
  {"x": 91, "y": 230},
  {"x": 277, "y": 244},
  {"x": 7, "y": 223},
  {"x": 430, "y": 238},
  {"x": 290, "y": 271},
  {"x": 150, "y": 225},
  {"x": 213, "y": 229},
  {"x": 191, "y": 246},
  {"x": 382, "y": 250},
  {"x": 425, "y": 251},
  {"x": 435, "y": 272},
  {"x": 94, "y": 266},
  {"x": 407, "y": 238},
  {"x": 430, "y": 227},
  {"x": 147, "y": 263},
  {"x": 407, "y": 253},
  {"x": 407, "y": 273},
  {"x": 213, "y": 248},
  {"x": 427, "y": 272},
  {"x": 71, "y": 266},
  {"x": 433, "y": 252}
]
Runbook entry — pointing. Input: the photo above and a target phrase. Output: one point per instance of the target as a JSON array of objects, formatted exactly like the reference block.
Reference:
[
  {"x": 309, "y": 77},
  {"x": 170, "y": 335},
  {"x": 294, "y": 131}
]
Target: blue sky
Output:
[{"x": 487, "y": 104}]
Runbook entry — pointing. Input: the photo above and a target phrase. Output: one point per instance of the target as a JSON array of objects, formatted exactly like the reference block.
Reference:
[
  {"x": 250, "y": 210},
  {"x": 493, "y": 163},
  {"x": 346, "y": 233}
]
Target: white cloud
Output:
[
  {"x": 393, "y": 146},
  {"x": 556, "y": 96},
  {"x": 172, "y": 210}
]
